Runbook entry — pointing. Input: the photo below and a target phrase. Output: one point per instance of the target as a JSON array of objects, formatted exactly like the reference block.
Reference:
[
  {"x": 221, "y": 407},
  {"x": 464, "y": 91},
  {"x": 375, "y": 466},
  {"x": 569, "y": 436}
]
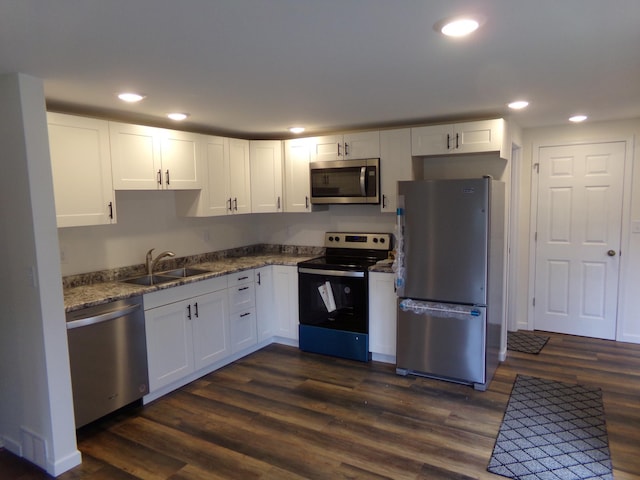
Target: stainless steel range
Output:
[{"x": 334, "y": 294}]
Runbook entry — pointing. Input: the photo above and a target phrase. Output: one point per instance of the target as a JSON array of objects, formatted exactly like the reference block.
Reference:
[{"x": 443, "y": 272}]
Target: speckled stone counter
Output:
[{"x": 96, "y": 288}]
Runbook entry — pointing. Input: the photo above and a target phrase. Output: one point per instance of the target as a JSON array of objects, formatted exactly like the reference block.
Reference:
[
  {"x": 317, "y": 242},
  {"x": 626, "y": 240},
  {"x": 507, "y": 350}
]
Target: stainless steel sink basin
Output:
[
  {"x": 148, "y": 280},
  {"x": 184, "y": 272}
]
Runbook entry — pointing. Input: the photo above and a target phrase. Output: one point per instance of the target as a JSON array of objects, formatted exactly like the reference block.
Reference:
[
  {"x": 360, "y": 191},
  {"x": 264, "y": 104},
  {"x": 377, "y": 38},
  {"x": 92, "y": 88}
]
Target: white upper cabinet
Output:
[
  {"x": 347, "y": 146},
  {"x": 395, "y": 165},
  {"x": 297, "y": 188},
  {"x": 81, "y": 166},
  {"x": 460, "y": 138},
  {"x": 148, "y": 158},
  {"x": 240, "y": 176},
  {"x": 266, "y": 176},
  {"x": 224, "y": 166}
]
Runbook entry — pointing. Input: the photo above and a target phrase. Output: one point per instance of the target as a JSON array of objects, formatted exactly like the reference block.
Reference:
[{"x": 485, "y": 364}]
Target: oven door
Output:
[{"x": 333, "y": 299}]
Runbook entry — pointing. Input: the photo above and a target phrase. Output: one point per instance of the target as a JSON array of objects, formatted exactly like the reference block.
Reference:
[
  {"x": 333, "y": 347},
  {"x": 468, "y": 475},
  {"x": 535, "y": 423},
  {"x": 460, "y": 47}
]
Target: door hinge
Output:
[
  {"x": 534, "y": 301},
  {"x": 536, "y": 167},
  {"x": 535, "y": 236}
]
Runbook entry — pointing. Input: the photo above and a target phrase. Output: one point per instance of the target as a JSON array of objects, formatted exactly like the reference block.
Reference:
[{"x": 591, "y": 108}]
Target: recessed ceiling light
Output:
[
  {"x": 177, "y": 116},
  {"x": 518, "y": 104},
  {"x": 296, "y": 129},
  {"x": 458, "y": 27},
  {"x": 130, "y": 97},
  {"x": 578, "y": 118}
]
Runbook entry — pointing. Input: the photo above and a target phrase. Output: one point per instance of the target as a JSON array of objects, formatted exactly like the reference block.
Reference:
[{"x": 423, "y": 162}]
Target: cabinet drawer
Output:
[
  {"x": 240, "y": 278},
  {"x": 244, "y": 331},
  {"x": 242, "y": 297}
]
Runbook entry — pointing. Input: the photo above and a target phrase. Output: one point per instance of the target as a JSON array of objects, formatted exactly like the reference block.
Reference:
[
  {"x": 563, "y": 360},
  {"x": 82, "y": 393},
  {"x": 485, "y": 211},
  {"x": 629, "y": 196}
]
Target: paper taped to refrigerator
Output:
[
  {"x": 437, "y": 309},
  {"x": 326, "y": 293}
]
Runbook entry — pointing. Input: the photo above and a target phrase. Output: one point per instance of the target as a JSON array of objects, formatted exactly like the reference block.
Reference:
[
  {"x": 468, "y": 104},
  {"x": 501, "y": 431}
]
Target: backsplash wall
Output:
[{"x": 148, "y": 220}]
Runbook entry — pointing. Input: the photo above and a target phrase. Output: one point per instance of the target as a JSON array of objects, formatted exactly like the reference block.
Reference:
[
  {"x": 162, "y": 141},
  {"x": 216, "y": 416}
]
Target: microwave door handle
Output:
[{"x": 363, "y": 181}]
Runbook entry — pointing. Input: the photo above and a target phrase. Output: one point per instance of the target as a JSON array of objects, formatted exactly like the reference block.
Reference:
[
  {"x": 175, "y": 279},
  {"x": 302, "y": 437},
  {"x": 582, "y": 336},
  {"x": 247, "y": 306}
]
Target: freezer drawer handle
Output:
[{"x": 103, "y": 317}]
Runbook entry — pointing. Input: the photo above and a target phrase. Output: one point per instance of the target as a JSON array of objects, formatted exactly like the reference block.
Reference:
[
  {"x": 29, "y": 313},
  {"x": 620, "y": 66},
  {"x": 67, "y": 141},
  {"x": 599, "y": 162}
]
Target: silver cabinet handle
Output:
[
  {"x": 339, "y": 149},
  {"x": 306, "y": 201},
  {"x": 346, "y": 149},
  {"x": 167, "y": 176},
  {"x": 159, "y": 177}
]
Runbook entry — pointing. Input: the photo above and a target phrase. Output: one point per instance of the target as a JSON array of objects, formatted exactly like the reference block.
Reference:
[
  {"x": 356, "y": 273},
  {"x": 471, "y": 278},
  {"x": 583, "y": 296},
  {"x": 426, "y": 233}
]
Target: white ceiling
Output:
[{"x": 255, "y": 67}]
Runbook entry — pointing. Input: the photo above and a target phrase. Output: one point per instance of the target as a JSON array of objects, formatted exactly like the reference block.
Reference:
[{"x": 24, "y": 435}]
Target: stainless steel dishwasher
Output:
[{"x": 108, "y": 356}]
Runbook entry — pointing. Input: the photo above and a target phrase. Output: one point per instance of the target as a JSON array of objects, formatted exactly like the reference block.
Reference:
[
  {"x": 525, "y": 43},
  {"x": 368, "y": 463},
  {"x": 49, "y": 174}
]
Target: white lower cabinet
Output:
[
  {"x": 266, "y": 319},
  {"x": 285, "y": 290},
  {"x": 382, "y": 314},
  {"x": 242, "y": 307},
  {"x": 187, "y": 329}
]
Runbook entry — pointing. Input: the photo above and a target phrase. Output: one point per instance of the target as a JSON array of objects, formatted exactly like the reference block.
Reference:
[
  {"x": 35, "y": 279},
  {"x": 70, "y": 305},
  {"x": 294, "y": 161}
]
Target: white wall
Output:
[
  {"x": 629, "y": 300},
  {"x": 148, "y": 220},
  {"x": 36, "y": 407}
]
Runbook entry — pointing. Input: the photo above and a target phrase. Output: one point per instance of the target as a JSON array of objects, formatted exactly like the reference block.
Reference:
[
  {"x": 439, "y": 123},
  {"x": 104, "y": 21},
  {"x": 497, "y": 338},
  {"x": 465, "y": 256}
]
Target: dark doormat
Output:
[
  {"x": 552, "y": 430},
  {"x": 525, "y": 342}
]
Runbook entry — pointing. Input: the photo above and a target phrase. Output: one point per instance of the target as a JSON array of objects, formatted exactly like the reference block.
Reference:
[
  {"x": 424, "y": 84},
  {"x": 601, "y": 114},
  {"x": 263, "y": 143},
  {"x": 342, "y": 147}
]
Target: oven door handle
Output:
[{"x": 334, "y": 273}]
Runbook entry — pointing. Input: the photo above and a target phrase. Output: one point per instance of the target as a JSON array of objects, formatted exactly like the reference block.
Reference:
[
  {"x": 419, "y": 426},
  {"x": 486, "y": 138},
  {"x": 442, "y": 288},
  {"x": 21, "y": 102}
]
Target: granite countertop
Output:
[
  {"x": 96, "y": 288},
  {"x": 88, "y": 290}
]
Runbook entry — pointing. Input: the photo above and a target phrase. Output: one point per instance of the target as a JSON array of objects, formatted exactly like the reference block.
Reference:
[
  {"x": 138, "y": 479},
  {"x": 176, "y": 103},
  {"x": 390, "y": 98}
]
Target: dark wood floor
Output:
[{"x": 283, "y": 414}]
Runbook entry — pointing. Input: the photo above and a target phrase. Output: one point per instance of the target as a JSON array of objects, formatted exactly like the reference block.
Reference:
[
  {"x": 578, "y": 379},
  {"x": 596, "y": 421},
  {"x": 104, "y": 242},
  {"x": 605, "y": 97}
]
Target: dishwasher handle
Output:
[{"x": 103, "y": 317}]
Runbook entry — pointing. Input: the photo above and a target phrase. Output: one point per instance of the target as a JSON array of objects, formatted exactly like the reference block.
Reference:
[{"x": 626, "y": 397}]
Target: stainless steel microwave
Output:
[{"x": 345, "y": 181}]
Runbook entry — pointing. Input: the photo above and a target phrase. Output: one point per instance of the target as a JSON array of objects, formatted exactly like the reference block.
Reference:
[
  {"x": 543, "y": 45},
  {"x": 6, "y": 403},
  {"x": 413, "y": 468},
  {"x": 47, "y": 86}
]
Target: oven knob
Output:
[
  {"x": 375, "y": 240},
  {"x": 337, "y": 239},
  {"x": 382, "y": 240},
  {"x": 331, "y": 239}
]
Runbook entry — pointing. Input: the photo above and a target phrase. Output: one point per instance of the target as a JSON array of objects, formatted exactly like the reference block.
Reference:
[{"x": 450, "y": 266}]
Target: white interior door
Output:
[{"x": 578, "y": 238}]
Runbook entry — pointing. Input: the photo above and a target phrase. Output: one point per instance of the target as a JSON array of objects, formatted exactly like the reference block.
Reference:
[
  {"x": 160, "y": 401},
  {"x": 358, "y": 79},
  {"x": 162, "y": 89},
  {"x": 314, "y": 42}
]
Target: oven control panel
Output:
[{"x": 371, "y": 241}]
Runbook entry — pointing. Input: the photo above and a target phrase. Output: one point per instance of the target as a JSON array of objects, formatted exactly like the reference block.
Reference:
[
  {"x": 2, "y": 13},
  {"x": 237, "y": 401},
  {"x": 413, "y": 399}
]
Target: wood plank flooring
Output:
[{"x": 284, "y": 414}]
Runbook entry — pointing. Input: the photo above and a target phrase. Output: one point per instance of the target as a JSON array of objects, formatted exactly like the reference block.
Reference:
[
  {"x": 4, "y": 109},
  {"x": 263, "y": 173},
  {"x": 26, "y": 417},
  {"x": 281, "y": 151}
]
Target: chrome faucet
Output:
[{"x": 151, "y": 262}]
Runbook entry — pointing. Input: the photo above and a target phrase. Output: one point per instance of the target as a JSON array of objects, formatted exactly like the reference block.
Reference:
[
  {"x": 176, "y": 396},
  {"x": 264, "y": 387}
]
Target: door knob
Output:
[{"x": 611, "y": 253}]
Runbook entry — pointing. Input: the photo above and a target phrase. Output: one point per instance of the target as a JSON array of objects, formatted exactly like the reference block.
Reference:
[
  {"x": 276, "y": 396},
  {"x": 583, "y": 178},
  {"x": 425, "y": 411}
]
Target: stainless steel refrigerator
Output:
[{"x": 450, "y": 279}]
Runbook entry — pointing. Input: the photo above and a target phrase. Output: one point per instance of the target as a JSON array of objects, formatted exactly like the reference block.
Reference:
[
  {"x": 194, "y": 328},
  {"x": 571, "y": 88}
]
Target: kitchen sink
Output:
[
  {"x": 184, "y": 272},
  {"x": 148, "y": 280}
]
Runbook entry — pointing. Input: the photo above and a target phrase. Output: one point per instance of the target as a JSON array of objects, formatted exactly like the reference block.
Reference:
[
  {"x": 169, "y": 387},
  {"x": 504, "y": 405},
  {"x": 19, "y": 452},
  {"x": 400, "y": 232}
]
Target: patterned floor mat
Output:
[
  {"x": 525, "y": 342},
  {"x": 552, "y": 430}
]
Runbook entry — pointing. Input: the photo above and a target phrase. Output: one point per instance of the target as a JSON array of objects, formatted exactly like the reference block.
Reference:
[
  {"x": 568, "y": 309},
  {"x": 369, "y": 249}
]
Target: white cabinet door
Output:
[
  {"x": 179, "y": 158},
  {"x": 135, "y": 157},
  {"x": 266, "y": 175},
  {"x": 466, "y": 137},
  {"x": 431, "y": 140},
  {"x": 148, "y": 158},
  {"x": 362, "y": 145},
  {"x": 265, "y": 316},
  {"x": 327, "y": 148},
  {"x": 239, "y": 175},
  {"x": 482, "y": 136},
  {"x": 395, "y": 165},
  {"x": 211, "y": 338},
  {"x": 382, "y": 313},
  {"x": 285, "y": 288},
  {"x": 244, "y": 332},
  {"x": 81, "y": 166},
  {"x": 343, "y": 147},
  {"x": 297, "y": 188},
  {"x": 169, "y": 344}
]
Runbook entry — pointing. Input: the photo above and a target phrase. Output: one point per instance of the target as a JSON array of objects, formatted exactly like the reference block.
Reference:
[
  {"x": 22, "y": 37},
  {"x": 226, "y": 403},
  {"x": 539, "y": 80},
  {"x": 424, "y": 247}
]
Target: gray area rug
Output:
[
  {"x": 525, "y": 342},
  {"x": 552, "y": 431}
]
